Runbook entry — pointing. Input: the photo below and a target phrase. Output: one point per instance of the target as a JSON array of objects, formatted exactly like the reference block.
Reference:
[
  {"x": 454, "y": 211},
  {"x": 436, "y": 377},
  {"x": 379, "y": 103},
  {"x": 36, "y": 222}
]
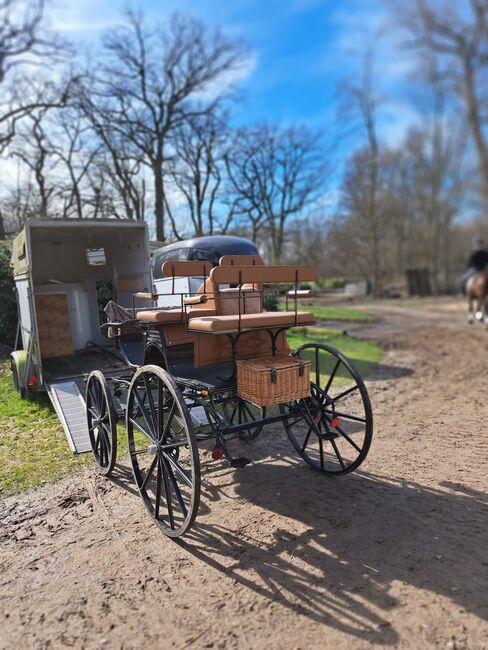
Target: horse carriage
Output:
[{"x": 207, "y": 368}]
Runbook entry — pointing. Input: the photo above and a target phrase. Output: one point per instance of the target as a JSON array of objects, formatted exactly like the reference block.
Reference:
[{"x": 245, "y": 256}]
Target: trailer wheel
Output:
[{"x": 102, "y": 422}]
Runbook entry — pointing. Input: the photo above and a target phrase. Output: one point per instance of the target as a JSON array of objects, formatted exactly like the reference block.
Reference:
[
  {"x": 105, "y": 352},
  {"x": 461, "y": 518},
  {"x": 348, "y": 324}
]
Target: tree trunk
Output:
[
  {"x": 159, "y": 198},
  {"x": 474, "y": 120}
]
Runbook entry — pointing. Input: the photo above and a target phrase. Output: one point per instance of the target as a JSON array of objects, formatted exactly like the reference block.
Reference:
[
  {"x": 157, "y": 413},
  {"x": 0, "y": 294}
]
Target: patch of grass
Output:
[
  {"x": 364, "y": 354},
  {"x": 33, "y": 445},
  {"x": 331, "y": 313}
]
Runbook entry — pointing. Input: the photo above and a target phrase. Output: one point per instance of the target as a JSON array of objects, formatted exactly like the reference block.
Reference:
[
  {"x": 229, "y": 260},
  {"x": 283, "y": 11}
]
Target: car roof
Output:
[{"x": 223, "y": 244}]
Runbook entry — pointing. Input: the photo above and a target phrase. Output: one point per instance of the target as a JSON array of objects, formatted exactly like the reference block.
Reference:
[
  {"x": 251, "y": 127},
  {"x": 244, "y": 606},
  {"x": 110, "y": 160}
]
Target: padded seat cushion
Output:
[
  {"x": 170, "y": 315},
  {"x": 250, "y": 321}
]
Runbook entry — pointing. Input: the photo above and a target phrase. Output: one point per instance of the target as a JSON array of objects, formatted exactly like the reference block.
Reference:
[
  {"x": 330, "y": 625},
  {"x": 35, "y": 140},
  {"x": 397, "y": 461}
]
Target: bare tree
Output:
[
  {"x": 120, "y": 161},
  {"x": 33, "y": 148},
  {"x": 196, "y": 174},
  {"x": 152, "y": 81},
  {"x": 23, "y": 45},
  {"x": 456, "y": 33},
  {"x": 70, "y": 142},
  {"x": 275, "y": 174},
  {"x": 362, "y": 200}
]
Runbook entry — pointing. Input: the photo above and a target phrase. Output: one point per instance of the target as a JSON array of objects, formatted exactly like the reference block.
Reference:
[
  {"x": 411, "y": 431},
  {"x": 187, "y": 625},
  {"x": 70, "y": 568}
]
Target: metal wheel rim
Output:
[
  {"x": 165, "y": 473},
  {"x": 99, "y": 408},
  {"x": 328, "y": 458}
]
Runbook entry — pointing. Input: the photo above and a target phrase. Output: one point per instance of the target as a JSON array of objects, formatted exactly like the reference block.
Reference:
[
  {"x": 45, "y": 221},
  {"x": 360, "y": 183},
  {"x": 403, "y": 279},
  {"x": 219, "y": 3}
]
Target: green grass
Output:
[
  {"x": 33, "y": 446},
  {"x": 364, "y": 354},
  {"x": 344, "y": 314}
]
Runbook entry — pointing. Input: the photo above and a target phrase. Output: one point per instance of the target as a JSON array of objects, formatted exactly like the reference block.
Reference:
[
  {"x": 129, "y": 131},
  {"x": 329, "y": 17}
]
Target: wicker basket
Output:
[{"x": 273, "y": 380}]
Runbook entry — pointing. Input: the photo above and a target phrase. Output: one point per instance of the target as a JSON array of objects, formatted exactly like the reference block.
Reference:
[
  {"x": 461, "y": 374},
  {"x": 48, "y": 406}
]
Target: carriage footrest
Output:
[
  {"x": 331, "y": 435},
  {"x": 240, "y": 462}
]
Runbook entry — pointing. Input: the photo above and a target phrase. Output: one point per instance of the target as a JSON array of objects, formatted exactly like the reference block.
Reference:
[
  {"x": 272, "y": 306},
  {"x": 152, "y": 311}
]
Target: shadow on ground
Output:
[{"x": 362, "y": 534}]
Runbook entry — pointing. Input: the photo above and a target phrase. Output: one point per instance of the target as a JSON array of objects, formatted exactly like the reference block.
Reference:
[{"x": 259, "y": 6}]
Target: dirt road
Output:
[{"x": 395, "y": 555}]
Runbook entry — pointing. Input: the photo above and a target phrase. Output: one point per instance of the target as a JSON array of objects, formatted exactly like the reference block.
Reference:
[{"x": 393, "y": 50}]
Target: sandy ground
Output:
[{"x": 395, "y": 555}]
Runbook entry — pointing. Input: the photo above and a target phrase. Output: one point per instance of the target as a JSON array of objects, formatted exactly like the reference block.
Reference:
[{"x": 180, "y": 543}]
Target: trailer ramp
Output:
[{"x": 69, "y": 404}]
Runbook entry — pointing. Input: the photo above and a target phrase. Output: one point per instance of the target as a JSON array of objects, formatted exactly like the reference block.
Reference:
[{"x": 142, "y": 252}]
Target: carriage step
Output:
[
  {"x": 331, "y": 435},
  {"x": 242, "y": 461}
]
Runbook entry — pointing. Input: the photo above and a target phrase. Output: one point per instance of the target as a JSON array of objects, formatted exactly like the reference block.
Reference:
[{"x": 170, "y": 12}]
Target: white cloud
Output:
[
  {"x": 229, "y": 79},
  {"x": 396, "y": 118}
]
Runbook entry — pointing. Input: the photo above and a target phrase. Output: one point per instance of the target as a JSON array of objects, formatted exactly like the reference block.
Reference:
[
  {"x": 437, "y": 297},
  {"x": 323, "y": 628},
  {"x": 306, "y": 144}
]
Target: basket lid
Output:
[{"x": 280, "y": 361}]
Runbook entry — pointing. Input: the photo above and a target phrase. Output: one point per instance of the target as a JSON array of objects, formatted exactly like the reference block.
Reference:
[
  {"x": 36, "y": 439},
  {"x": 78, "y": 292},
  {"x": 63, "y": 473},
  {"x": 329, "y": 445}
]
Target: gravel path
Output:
[{"x": 281, "y": 557}]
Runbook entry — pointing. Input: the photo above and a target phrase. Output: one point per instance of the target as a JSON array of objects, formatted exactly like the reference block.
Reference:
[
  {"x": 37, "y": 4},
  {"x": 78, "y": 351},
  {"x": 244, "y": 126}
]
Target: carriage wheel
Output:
[
  {"x": 332, "y": 429},
  {"x": 238, "y": 412},
  {"x": 163, "y": 450},
  {"x": 102, "y": 422}
]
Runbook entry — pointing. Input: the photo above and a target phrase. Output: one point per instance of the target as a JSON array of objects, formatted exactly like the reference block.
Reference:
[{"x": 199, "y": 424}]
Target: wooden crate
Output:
[{"x": 52, "y": 312}]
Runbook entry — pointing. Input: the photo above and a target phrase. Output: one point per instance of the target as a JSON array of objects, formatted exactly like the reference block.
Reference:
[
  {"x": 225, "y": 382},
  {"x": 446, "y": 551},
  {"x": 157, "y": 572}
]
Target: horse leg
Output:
[
  {"x": 479, "y": 310},
  {"x": 470, "y": 311}
]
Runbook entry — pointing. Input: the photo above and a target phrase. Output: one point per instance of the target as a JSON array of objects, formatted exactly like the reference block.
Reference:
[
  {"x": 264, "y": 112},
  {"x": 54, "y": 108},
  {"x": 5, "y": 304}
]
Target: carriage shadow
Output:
[
  {"x": 347, "y": 542},
  {"x": 382, "y": 371}
]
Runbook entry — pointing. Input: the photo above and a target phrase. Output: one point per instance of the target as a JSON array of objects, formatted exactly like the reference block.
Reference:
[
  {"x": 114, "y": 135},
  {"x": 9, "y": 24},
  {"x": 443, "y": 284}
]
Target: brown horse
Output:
[{"x": 476, "y": 291}]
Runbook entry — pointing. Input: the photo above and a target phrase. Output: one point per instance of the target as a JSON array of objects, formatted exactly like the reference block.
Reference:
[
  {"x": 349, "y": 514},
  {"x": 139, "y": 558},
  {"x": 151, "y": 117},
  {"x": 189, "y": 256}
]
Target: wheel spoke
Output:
[
  {"x": 345, "y": 415},
  {"x": 97, "y": 440},
  {"x": 349, "y": 440},
  {"x": 149, "y": 472},
  {"x": 138, "y": 426},
  {"x": 331, "y": 378},
  {"x": 107, "y": 429},
  {"x": 160, "y": 407},
  {"x": 177, "y": 491},
  {"x": 93, "y": 413},
  {"x": 152, "y": 408},
  {"x": 158, "y": 489},
  {"x": 321, "y": 447},
  {"x": 167, "y": 426},
  {"x": 317, "y": 367},
  {"x": 306, "y": 439},
  {"x": 338, "y": 454},
  {"x": 144, "y": 414},
  {"x": 178, "y": 468},
  {"x": 102, "y": 448},
  {"x": 343, "y": 394},
  {"x": 167, "y": 492}
]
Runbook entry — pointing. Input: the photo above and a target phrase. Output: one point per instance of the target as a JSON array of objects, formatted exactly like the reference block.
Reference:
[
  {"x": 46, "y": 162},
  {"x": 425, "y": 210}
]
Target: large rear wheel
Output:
[
  {"x": 163, "y": 450},
  {"x": 333, "y": 428}
]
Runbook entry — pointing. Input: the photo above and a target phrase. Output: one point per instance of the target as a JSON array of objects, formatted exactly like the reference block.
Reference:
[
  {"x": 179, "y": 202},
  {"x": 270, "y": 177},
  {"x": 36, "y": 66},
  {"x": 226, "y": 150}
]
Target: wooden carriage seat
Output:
[
  {"x": 251, "y": 275},
  {"x": 172, "y": 322},
  {"x": 270, "y": 319},
  {"x": 176, "y": 315}
]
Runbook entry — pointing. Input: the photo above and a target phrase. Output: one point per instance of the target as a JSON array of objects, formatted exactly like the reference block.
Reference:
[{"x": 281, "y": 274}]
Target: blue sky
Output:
[{"x": 300, "y": 50}]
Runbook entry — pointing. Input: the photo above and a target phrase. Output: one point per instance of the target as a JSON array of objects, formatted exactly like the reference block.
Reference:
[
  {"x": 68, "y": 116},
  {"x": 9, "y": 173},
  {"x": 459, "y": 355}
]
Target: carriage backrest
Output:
[
  {"x": 241, "y": 260},
  {"x": 239, "y": 275},
  {"x": 185, "y": 269}
]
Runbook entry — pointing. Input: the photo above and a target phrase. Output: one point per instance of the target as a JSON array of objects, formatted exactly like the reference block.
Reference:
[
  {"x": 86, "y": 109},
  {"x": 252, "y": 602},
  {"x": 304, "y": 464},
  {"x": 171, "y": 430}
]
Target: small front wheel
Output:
[
  {"x": 163, "y": 450},
  {"x": 102, "y": 422},
  {"x": 333, "y": 428}
]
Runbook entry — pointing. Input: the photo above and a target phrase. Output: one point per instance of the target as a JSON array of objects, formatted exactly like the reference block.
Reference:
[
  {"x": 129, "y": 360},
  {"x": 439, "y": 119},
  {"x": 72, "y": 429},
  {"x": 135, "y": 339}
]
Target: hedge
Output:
[{"x": 8, "y": 304}]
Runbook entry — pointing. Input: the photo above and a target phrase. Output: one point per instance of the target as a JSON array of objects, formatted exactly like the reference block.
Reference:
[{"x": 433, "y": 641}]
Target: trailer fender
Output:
[{"x": 18, "y": 360}]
